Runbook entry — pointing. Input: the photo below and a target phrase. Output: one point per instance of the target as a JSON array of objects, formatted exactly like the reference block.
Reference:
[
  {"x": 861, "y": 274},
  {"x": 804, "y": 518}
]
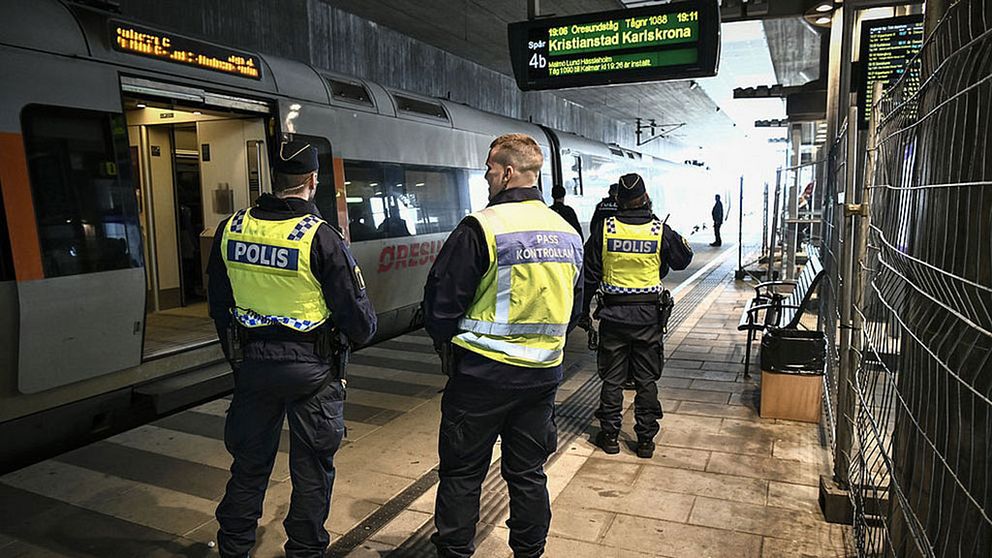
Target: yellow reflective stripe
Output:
[
  {"x": 532, "y": 354},
  {"x": 502, "y": 328}
]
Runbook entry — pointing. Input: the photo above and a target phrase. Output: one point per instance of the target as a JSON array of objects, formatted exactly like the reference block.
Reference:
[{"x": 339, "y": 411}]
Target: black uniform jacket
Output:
[
  {"x": 675, "y": 254},
  {"x": 331, "y": 263},
  {"x": 607, "y": 207},
  {"x": 450, "y": 290},
  {"x": 568, "y": 214},
  {"x": 718, "y": 213}
]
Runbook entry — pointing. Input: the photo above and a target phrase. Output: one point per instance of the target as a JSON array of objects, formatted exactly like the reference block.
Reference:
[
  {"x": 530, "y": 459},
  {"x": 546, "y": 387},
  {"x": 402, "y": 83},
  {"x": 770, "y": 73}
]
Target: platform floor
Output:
[{"x": 723, "y": 482}]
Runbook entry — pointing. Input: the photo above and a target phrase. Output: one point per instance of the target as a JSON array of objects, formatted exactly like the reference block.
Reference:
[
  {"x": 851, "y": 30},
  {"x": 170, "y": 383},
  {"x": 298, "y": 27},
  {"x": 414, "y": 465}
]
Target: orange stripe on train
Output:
[{"x": 19, "y": 206}]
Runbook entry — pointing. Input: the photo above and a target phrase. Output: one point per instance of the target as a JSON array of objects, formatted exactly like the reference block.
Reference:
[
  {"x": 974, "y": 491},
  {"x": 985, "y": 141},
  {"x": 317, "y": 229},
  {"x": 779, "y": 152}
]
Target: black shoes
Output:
[
  {"x": 645, "y": 449},
  {"x": 608, "y": 443}
]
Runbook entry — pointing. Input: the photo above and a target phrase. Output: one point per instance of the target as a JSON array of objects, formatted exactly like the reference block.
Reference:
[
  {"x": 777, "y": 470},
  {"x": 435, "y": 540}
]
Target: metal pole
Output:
[
  {"x": 774, "y": 229},
  {"x": 764, "y": 221},
  {"x": 792, "y": 229},
  {"x": 740, "y": 231},
  {"x": 845, "y": 395},
  {"x": 533, "y": 9}
]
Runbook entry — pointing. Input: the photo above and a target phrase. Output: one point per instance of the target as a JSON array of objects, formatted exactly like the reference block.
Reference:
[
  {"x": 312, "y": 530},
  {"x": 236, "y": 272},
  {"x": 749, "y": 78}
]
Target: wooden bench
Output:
[{"x": 771, "y": 309}]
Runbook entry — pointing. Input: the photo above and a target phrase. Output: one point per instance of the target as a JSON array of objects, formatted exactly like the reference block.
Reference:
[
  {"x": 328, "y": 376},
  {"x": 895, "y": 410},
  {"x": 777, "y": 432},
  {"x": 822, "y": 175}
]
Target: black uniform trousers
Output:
[
  {"x": 265, "y": 393},
  {"x": 716, "y": 233},
  {"x": 472, "y": 416},
  {"x": 640, "y": 347}
]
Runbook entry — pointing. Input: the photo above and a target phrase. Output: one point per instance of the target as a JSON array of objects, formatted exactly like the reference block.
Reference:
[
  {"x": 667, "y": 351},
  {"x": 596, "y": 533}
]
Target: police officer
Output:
[
  {"x": 503, "y": 293},
  {"x": 287, "y": 298},
  {"x": 625, "y": 259},
  {"x": 607, "y": 207}
]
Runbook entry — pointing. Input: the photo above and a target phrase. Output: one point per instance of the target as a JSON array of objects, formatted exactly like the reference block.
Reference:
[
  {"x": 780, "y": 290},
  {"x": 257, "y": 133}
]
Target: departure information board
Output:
[
  {"x": 679, "y": 40},
  {"x": 887, "y": 47},
  {"x": 135, "y": 39}
]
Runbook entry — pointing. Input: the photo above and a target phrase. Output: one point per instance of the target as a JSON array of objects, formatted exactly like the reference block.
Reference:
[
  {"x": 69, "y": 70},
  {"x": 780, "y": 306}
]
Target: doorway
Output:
[{"x": 196, "y": 167}]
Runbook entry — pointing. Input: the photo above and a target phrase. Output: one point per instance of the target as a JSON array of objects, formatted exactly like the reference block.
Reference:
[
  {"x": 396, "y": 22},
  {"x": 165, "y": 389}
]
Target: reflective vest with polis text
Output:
[
  {"x": 268, "y": 263},
  {"x": 631, "y": 257}
]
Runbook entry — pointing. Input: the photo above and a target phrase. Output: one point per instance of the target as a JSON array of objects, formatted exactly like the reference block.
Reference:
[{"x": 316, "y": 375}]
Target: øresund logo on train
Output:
[
  {"x": 277, "y": 257},
  {"x": 632, "y": 246}
]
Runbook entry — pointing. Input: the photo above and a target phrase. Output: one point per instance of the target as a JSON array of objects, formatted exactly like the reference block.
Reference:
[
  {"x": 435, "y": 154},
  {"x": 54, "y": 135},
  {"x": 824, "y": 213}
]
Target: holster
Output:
[
  {"x": 236, "y": 340},
  {"x": 449, "y": 358},
  {"x": 666, "y": 303},
  {"x": 332, "y": 345}
]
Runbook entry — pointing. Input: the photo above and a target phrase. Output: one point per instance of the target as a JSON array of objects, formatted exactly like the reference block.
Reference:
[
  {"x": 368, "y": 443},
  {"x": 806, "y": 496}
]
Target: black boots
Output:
[
  {"x": 645, "y": 449},
  {"x": 608, "y": 443}
]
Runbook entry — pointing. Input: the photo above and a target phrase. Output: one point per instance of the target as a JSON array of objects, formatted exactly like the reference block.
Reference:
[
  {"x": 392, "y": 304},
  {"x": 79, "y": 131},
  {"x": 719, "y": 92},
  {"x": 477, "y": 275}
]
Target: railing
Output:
[{"x": 909, "y": 272}]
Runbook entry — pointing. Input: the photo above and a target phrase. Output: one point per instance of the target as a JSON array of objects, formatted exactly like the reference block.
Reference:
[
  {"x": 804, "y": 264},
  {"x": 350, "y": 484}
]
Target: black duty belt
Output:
[
  {"x": 628, "y": 299},
  {"x": 280, "y": 335}
]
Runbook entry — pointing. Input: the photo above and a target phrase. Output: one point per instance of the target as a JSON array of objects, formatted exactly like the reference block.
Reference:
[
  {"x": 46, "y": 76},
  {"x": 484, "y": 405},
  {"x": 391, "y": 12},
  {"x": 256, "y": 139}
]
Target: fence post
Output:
[
  {"x": 774, "y": 230},
  {"x": 740, "y": 273},
  {"x": 845, "y": 396}
]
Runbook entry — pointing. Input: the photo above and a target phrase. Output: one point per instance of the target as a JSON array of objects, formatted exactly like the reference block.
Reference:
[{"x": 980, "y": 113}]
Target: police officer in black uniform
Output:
[
  {"x": 631, "y": 328},
  {"x": 286, "y": 328},
  {"x": 607, "y": 207}
]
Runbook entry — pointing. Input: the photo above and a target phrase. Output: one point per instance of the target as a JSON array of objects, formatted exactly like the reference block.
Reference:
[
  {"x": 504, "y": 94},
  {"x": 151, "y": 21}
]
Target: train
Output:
[{"x": 123, "y": 146}]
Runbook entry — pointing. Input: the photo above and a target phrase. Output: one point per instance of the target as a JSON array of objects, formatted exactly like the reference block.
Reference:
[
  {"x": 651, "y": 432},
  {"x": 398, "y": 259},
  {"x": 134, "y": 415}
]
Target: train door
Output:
[{"x": 198, "y": 165}]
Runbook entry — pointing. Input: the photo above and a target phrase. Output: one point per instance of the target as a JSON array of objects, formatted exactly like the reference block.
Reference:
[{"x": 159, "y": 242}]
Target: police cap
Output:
[
  {"x": 295, "y": 157},
  {"x": 631, "y": 187}
]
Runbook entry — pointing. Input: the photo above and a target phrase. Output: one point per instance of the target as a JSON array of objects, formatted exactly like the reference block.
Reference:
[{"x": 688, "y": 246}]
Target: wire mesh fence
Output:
[{"x": 921, "y": 459}]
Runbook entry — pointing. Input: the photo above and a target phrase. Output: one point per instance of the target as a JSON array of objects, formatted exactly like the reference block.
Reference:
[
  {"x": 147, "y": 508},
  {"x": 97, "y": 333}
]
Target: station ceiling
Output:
[{"x": 476, "y": 30}]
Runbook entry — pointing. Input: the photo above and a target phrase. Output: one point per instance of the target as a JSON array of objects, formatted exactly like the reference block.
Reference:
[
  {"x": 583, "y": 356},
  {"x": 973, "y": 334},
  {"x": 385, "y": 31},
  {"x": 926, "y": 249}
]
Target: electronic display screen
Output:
[
  {"x": 887, "y": 46},
  {"x": 136, "y": 39},
  {"x": 679, "y": 40}
]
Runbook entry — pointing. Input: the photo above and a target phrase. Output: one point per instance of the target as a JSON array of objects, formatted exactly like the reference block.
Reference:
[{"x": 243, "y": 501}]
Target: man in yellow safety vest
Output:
[{"x": 504, "y": 291}]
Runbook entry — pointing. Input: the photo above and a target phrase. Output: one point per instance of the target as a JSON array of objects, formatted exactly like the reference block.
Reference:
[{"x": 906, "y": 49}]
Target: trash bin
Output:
[{"x": 792, "y": 365}]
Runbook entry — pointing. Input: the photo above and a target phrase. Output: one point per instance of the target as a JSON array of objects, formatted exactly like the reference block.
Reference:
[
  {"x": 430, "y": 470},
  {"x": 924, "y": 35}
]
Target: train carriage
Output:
[{"x": 123, "y": 146}]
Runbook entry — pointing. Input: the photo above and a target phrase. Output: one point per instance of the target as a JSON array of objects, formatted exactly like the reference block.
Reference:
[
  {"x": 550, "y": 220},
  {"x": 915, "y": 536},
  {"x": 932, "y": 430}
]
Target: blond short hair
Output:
[{"x": 519, "y": 151}]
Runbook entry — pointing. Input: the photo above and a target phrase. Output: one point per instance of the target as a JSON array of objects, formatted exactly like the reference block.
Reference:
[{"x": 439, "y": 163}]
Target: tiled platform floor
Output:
[{"x": 722, "y": 483}]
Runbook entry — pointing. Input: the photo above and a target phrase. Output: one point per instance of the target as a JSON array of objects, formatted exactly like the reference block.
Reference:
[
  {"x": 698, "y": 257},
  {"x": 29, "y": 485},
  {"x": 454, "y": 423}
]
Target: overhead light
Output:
[
  {"x": 824, "y": 7},
  {"x": 823, "y": 20},
  {"x": 419, "y": 184},
  {"x": 197, "y": 113},
  {"x": 347, "y": 182},
  {"x": 693, "y": 85},
  {"x": 141, "y": 105},
  {"x": 373, "y": 184}
]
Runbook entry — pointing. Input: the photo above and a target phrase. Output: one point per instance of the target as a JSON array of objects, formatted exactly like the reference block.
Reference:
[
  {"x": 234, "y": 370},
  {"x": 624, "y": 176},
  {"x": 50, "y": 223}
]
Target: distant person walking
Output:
[
  {"x": 566, "y": 212},
  {"x": 717, "y": 221}
]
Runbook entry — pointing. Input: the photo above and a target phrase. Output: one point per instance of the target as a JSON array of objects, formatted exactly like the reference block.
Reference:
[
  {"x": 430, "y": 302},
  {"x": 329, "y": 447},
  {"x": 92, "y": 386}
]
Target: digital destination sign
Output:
[
  {"x": 135, "y": 39},
  {"x": 887, "y": 47},
  {"x": 679, "y": 40}
]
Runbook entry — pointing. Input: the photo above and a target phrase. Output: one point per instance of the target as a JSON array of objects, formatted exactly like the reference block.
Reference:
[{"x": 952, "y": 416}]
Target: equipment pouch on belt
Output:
[
  {"x": 333, "y": 346},
  {"x": 665, "y": 305},
  {"x": 236, "y": 343},
  {"x": 449, "y": 361}
]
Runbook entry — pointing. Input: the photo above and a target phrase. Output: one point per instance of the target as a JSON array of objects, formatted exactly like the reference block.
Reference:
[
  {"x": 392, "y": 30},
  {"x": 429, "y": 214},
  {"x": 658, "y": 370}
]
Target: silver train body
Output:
[{"x": 117, "y": 164}]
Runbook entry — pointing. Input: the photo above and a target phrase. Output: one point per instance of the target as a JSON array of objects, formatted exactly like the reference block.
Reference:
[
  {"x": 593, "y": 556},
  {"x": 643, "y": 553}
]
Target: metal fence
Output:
[{"x": 920, "y": 312}]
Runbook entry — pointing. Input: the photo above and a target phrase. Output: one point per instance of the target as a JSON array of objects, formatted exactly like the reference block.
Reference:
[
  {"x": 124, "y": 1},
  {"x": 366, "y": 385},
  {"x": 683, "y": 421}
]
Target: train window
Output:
[
  {"x": 572, "y": 174},
  {"x": 389, "y": 200},
  {"x": 423, "y": 108},
  {"x": 6, "y": 259},
  {"x": 84, "y": 199},
  {"x": 351, "y": 92},
  {"x": 326, "y": 197}
]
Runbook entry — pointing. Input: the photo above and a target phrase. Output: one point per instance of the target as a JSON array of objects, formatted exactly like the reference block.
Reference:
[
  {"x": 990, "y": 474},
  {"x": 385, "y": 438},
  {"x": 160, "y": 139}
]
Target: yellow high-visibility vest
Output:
[
  {"x": 522, "y": 306},
  {"x": 631, "y": 257},
  {"x": 268, "y": 263}
]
